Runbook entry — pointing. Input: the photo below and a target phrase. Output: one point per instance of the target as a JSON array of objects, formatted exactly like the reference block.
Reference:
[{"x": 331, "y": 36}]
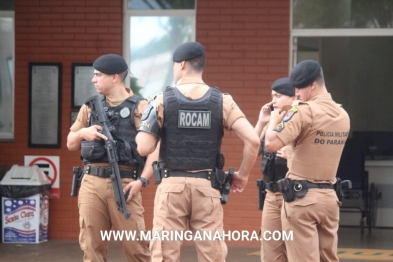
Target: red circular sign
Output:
[{"x": 52, "y": 180}]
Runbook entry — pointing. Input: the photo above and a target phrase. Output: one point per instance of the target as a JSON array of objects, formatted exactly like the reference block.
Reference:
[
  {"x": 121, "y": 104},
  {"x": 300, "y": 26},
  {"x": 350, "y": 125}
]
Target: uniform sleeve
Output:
[
  {"x": 293, "y": 124},
  {"x": 82, "y": 119},
  {"x": 231, "y": 112},
  {"x": 289, "y": 151},
  {"x": 138, "y": 112}
]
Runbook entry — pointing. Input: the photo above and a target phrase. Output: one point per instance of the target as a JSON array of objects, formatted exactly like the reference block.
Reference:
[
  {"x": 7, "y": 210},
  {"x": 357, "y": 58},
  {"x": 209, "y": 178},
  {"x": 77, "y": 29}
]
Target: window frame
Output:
[
  {"x": 128, "y": 13},
  {"x": 10, "y": 136},
  {"x": 335, "y": 32}
]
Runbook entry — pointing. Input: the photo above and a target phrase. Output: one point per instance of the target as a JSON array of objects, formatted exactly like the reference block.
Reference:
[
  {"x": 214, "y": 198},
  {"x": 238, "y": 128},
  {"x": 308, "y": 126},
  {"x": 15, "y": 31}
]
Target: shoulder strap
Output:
[
  {"x": 169, "y": 96},
  {"x": 135, "y": 99},
  {"x": 216, "y": 97},
  {"x": 169, "y": 91}
]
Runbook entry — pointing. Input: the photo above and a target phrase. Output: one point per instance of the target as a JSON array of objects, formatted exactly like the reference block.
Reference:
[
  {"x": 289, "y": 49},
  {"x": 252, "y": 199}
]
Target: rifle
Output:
[
  {"x": 226, "y": 187},
  {"x": 98, "y": 111}
]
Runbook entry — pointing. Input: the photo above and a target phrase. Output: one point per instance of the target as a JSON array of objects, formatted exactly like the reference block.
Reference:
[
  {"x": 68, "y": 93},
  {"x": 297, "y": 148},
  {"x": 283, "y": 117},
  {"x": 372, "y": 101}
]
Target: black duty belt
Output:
[
  {"x": 292, "y": 189},
  {"x": 319, "y": 185},
  {"x": 271, "y": 186},
  {"x": 179, "y": 173},
  {"x": 107, "y": 172}
]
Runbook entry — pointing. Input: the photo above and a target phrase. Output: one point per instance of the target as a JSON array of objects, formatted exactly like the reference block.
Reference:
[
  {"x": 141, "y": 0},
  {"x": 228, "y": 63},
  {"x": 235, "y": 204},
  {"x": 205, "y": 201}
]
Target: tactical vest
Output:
[
  {"x": 316, "y": 153},
  {"x": 192, "y": 131},
  {"x": 122, "y": 118},
  {"x": 273, "y": 167}
]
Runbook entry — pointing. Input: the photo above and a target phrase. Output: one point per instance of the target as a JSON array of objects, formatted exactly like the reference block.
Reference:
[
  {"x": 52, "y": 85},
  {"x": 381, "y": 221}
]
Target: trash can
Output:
[{"x": 24, "y": 192}]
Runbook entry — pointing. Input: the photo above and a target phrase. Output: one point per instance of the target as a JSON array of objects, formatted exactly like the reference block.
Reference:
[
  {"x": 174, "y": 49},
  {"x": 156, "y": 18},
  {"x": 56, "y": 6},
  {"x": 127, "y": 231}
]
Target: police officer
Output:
[
  {"x": 274, "y": 167},
  {"x": 318, "y": 129},
  {"x": 98, "y": 210},
  {"x": 189, "y": 119}
]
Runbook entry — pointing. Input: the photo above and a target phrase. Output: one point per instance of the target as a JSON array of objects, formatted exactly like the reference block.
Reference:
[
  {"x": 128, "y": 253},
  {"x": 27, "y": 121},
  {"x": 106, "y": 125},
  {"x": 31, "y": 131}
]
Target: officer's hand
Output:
[
  {"x": 276, "y": 116},
  {"x": 264, "y": 114},
  {"x": 282, "y": 153},
  {"x": 239, "y": 183},
  {"x": 93, "y": 133},
  {"x": 134, "y": 187}
]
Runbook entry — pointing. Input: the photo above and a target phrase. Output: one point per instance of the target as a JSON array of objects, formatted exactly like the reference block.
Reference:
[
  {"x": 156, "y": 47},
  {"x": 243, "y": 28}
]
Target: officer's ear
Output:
[
  {"x": 313, "y": 86},
  {"x": 115, "y": 77}
]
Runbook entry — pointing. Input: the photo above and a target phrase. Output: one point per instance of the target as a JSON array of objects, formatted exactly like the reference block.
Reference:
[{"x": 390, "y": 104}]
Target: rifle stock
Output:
[{"x": 107, "y": 127}]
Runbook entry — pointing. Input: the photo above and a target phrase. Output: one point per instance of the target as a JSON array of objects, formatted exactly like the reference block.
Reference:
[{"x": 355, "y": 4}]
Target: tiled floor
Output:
[{"x": 353, "y": 246}]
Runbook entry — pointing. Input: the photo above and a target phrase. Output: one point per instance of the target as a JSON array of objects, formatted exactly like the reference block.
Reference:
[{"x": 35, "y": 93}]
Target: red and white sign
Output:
[{"x": 50, "y": 165}]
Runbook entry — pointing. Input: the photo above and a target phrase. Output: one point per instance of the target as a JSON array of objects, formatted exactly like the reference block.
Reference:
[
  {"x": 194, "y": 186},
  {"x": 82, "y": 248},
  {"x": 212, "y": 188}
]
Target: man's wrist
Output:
[
  {"x": 263, "y": 123},
  {"x": 144, "y": 181},
  {"x": 241, "y": 174}
]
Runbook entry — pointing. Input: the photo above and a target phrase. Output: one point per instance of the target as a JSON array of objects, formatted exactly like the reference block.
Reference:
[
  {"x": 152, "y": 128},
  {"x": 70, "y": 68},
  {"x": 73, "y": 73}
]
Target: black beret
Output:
[
  {"x": 283, "y": 86},
  {"x": 110, "y": 64},
  {"x": 188, "y": 51},
  {"x": 304, "y": 73}
]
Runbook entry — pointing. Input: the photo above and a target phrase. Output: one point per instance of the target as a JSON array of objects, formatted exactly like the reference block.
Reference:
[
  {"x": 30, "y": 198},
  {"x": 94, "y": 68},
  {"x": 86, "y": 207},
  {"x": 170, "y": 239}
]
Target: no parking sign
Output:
[{"x": 50, "y": 166}]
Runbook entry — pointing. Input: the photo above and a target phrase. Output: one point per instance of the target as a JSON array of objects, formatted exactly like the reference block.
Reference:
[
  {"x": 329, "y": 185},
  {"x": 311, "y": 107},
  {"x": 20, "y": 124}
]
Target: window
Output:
[
  {"x": 7, "y": 43},
  {"x": 153, "y": 30},
  {"x": 352, "y": 39}
]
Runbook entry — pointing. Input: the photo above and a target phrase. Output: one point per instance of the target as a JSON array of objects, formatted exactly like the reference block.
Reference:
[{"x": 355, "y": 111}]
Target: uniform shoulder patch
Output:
[
  {"x": 290, "y": 114},
  {"x": 150, "y": 107},
  {"x": 147, "y": 111},
  {"x": 279, "y": 127}
]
